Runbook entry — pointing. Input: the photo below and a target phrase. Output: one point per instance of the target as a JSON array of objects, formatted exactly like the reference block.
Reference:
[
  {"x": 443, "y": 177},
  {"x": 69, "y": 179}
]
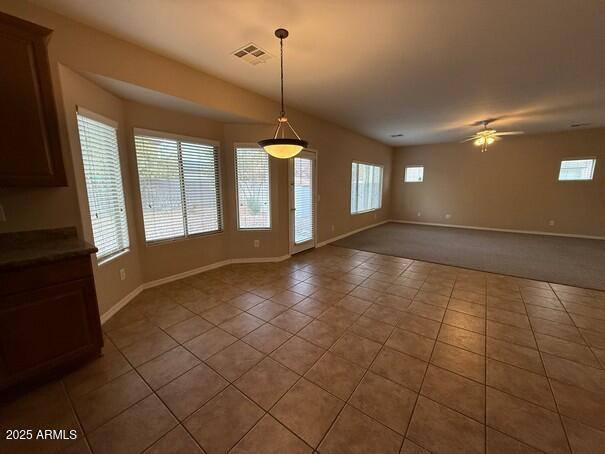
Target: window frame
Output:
[
  {"x": 381, "y": 166},
  {"x": 582, "y": 158},
  {"x": 183, "y": 138},
  {"x": 251, "y": 229},
  {"x": 413, "y": 166},
  {"x": 79, "y": 110}
]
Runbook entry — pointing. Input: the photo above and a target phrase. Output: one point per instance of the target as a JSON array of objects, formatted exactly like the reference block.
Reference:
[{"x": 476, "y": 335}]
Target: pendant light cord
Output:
[{"x": 281, "y": 45}]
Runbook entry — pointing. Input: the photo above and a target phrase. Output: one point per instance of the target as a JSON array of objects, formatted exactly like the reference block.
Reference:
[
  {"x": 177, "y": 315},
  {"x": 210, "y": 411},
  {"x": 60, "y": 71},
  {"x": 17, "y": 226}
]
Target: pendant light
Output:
[{"x": 281, "y": 146}]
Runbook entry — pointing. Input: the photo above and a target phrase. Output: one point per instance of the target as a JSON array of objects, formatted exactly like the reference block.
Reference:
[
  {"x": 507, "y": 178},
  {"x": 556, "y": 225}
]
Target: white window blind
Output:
[
  {"x": 180, "y": 186},
  {"x": 414, "y": 174},
  {"x": 101, "y": 159},
  {"x": 366, "y": 187},
  {"x": 577, "y": 169},
  {"x": 253, "y": 185},
  {"x": 304, "y": 206}
]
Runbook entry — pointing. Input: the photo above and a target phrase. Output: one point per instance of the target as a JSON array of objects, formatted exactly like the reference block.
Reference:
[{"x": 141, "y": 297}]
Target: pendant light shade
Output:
[{"x": 281, "y": 146}]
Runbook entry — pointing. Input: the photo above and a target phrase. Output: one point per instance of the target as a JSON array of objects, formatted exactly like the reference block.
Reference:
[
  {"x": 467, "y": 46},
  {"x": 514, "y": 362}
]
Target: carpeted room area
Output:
[{"x": 564, "y": 260}]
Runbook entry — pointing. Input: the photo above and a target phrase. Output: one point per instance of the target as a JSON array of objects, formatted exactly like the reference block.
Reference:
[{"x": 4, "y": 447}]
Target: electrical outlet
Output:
[
  {"x": 256, "y": 243},
  {"x": 448, "y": 216},
  {"x": 419, "y": 214},
  {"x": 375, "y": 216},
  {"x": 122, "y": 274},
  {"x": 2, "y": 214},
  {"x": 332, "y": 227},
  {"x": 551, "y": 222}
]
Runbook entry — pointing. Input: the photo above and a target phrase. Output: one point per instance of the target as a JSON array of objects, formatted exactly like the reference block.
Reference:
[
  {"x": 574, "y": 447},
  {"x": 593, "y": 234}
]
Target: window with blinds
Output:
[
  {"x": 180, "y": 186},
  {"x": 304, "y": 206},
  {"x": 101, "y": 159},
  {"x": 253, "y": 184},
  {"x": 366, "y": 187},
  {"x": 577, "y": 169}
]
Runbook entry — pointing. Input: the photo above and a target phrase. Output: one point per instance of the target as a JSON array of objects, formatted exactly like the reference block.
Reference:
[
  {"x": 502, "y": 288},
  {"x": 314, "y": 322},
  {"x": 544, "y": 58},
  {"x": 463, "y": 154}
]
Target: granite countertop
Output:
[{"x": 20, "y": 249}]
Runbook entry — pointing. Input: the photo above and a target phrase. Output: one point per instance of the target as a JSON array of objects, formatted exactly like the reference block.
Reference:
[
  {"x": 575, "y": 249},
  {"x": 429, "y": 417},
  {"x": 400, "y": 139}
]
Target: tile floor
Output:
[{"x": 336, "y": 350}]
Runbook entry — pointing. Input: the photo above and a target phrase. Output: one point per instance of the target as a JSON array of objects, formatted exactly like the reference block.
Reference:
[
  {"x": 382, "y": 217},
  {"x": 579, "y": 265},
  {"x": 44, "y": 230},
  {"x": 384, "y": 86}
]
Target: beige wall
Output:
[
  {"x": 74, "y": 49},
  {"x": 513, "y": 185},
  {"x": 79, "y": 92}
]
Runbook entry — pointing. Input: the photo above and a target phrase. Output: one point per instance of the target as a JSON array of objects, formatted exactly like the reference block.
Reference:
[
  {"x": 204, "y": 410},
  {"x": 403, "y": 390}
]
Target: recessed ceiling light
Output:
[{"x": 396, "y": 135}]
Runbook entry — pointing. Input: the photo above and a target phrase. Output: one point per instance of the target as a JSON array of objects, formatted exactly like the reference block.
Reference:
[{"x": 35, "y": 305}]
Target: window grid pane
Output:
[
  {"x": 180, "y": 187},
  {"x": 101, "y": 160},
  {"x": 253, "y": 188},
  {"x": 577, "y": 169},
  {"x": 366, "y": 187},
  {"x": 414, "y": 174}
]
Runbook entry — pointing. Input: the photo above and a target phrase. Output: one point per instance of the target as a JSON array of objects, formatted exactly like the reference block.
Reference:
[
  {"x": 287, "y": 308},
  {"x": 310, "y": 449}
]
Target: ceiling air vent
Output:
[{"x": 252, "y": 54}]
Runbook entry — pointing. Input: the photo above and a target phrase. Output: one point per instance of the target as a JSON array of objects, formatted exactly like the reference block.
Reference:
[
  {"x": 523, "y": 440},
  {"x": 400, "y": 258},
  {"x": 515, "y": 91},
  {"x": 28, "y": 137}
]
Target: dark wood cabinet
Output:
[
  {"x": 30, "y": 149},
  {"x": 49, "y": 319}
]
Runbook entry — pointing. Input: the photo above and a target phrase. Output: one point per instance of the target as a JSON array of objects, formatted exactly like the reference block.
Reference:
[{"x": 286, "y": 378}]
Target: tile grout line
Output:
[
  {"x": 319, "y": 359},
  {"x": 153, "y": 392},
  {"x": 587, "y": 344},
  {"x": 359, "y": 383},
  {"x": 550, "y": 384},
  {"x": 301, "y": 376},
  {"x": 75, "y": 414},
  {"x": 424, "y": 375}
]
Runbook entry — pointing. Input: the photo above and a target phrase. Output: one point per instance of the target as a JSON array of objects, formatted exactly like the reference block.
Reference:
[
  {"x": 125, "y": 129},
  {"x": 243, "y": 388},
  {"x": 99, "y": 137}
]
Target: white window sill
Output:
[{"x": 110, "y": 258}]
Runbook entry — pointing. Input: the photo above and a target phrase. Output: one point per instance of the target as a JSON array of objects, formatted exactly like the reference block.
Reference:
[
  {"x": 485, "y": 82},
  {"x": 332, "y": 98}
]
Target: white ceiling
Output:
[{"x": 424, "y": 68}]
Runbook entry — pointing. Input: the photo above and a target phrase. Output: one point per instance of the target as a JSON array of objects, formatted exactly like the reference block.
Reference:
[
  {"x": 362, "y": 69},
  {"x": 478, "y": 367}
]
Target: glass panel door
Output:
[{"x": 302, "y": 201}]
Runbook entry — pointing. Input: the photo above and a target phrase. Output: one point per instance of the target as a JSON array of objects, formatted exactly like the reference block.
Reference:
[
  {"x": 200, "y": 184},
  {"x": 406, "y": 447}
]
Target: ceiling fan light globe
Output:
[
  {"x": 479, "y": 141},
  {"x": 490, "y": 140}
]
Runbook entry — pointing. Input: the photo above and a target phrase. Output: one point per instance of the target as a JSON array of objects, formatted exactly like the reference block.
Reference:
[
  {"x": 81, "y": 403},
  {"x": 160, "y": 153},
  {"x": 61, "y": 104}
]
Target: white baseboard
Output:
[
  {"x": 120, "y": 304},
  {"x": 344, "y": 235},
  {"x": 262, "y": 259},
  {"x": 175, "y": 277},
  {"x": 472, "y": 227}
]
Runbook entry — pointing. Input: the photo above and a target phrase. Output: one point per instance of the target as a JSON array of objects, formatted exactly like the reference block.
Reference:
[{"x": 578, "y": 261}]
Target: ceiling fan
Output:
[{"x": 486, "y": 137}]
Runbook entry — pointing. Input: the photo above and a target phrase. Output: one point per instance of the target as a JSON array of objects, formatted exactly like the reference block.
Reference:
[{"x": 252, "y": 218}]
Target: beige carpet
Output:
[{"x": 563, "y": 260}]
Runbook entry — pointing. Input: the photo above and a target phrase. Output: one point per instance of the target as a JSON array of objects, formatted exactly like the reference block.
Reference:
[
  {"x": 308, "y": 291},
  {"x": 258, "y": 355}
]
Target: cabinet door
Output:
[
  {"x": 30, "y": 150},
  {"x": 42, "y": 330}
]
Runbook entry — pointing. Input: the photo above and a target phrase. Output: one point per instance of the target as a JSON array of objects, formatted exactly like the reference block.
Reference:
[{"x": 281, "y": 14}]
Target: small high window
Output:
[
  {"x": 577, "y": 169},
  {"x": 414, "y": 174}
]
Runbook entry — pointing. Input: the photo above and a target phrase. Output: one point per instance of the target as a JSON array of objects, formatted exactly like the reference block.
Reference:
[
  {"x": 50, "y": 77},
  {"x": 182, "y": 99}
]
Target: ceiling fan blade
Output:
[
  {"x": 509, "y": 133},
  {"x": 468, "y": 139}
]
